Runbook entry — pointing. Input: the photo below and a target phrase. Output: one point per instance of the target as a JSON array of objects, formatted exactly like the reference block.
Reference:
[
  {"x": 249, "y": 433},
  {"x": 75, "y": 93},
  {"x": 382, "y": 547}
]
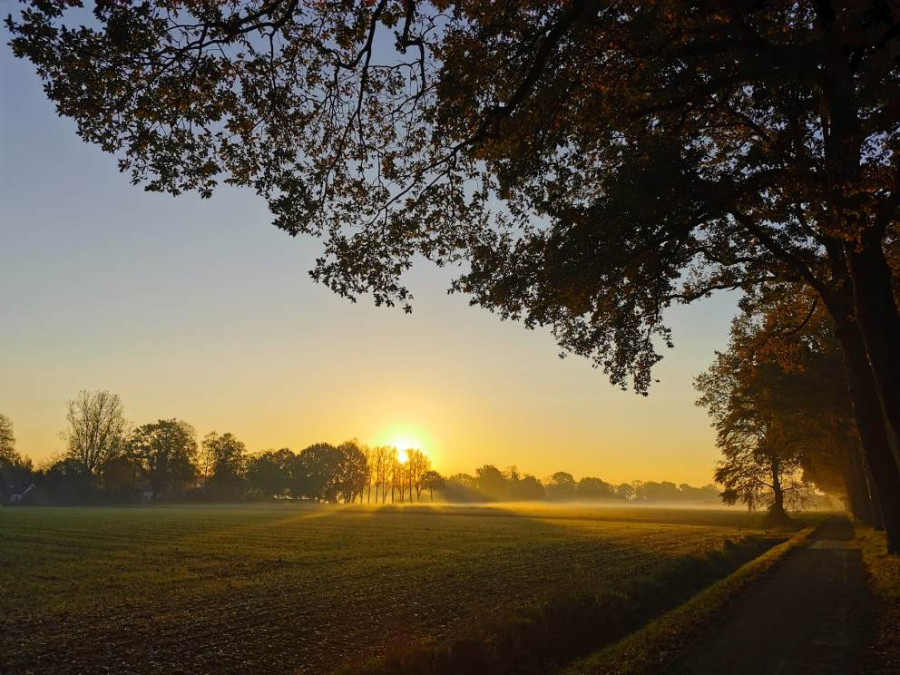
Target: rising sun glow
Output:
[{"x": 403, "y": 444}]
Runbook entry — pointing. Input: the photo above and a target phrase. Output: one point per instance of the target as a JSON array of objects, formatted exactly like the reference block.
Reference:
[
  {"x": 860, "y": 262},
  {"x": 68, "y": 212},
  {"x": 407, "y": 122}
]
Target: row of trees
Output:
[
  {"x": 780, "y": 403},
  {"x": 490, "y": 483},
  {"x": 106, "y": 459}
]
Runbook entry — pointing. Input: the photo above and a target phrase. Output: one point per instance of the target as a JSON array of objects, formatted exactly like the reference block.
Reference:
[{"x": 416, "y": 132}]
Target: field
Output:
[{"x": 297, "y": 588}]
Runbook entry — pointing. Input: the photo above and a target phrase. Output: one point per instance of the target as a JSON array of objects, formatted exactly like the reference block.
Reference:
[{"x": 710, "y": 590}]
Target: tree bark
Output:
[
  {"x": 867, "y": 410},
  {"x": 877, "y": 520},
  {"x": 879, "y": 323},
  {"x": 776, "y": 511},
  {"x": 857, "y": 488}
]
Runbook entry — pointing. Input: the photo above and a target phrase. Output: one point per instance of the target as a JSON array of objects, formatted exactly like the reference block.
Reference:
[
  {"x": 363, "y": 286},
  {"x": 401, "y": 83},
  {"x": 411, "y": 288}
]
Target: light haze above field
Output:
[{"x": 203, "y": 311}]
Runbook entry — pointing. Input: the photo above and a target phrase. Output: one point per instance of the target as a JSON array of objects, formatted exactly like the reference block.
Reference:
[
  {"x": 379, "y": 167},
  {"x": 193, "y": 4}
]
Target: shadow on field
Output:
[
  {"x": 543, "y": 636},
  {"x": 310, "y": 589}
]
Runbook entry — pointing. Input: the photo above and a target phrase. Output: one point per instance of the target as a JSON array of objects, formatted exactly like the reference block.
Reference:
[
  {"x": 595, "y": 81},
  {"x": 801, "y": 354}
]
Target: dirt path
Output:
[{"x": 809, "y": 616}]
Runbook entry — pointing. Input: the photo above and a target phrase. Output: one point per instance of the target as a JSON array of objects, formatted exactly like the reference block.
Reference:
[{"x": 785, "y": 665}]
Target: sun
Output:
[{"x": 403, "y": 445}]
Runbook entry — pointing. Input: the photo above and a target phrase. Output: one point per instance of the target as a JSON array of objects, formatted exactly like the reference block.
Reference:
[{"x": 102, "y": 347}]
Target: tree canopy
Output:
[
  {"x": 8, "y": 453},
  {"x": 592, "y": 162},
  {"x": 96, "y": 428}
]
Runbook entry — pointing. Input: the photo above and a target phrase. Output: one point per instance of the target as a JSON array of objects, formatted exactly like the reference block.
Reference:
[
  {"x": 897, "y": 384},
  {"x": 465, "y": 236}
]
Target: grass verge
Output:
[
  {"x": 545, "y": 637},
  {"x": 651, "y": 648},
  {"x": 883, "y": 652}
]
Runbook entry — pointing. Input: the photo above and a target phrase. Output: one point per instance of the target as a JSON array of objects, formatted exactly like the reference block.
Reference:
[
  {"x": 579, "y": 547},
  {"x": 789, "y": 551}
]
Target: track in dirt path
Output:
[{"x": 809, "y": 616}]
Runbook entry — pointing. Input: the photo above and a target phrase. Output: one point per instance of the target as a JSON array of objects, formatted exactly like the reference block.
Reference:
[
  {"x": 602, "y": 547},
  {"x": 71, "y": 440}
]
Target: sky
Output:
[{"x": 203, "y": 311}]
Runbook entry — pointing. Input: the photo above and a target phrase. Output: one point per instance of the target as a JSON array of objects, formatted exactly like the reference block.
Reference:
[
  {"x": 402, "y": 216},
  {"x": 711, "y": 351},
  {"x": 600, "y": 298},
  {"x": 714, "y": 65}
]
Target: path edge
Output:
[{"x": 650, "y": 648}]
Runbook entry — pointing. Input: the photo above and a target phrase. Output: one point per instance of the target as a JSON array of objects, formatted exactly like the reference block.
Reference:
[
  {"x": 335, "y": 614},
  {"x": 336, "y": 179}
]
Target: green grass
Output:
[
  {"x": 883, "y": 654},
  {"x": 305, "y": 589}
]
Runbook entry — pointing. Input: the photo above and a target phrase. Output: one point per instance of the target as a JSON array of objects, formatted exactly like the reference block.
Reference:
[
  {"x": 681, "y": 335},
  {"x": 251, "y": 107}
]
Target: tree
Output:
[
  {"x": 462, "y": 487},
  {"x": 8, "y": 454},
  {"x": 665, "y": 491},
  {"x": 561, "y": 486},
  {"x": 15, "y": 471},
  {"x": 761, "y": 437},
  {"x": 625, "y": 491},
  {"x": 706, "y": 494},
  {"x": 594, "y": 489},
  {"x": 793, "y": 351},
  {"x": 317, "y": 472},
  {"x": 225, "y": 456},
  {"x": 528, "y": 489},
  {"x": 351, "y": 471},
  {"x": 269, "y": 473},
  {"x": 522, "y": 488},
  {"x": 97, "y": 429},
  {"x": 431, "y": 481},
  {"x": 593, "y": 163},
  {"x": 382, "y": 460},
  {"x": 119, "y": 477},
  {"x": 68, "y": 482},
  {"x": 418, "y": 465},
  {"x": 491, "y": 483},
  {"x": 166, "y": 454}
]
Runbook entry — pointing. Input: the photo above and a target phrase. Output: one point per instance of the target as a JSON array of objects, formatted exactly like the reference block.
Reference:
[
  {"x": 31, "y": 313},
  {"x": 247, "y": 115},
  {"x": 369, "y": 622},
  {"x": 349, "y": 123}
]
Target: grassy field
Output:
[{"x": 302, "y": 588}]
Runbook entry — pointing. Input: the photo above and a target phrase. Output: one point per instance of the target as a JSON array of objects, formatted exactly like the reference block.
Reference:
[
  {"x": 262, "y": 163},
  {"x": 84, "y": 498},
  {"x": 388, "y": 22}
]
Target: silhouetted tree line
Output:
[
  {"x": 107, "y": 461},
  {"x": 491, "y": 484}
]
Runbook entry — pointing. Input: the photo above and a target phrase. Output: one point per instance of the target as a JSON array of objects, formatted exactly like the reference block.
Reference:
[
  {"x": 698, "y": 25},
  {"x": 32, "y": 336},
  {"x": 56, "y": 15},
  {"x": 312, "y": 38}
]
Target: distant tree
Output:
[
  {"x": 664, "y": 491},
  {"x": 226, "y": 457},
  {"x": 706, "y": 494},
  {"x": 352, "y": 471},
  {"x": 594, "y": 489},
  {"x": 8, "y": 455},
  {"x": 269, "y": 473},
  {"x": 527, "y": 488},
  {"x": 761, "y": 441},
  {"x": 15, "y": 471},
  {"x": 431, "y": 481},
  {"x": 382, "y": 460},
  {"x": 395, "y": 473},
  {"x": 96, "y": 429},
  {"x": 561, "y": 486},
  {"x": 462, "y": 487},
  {"x": 370, "y": 457},
  {"x": 119, "y": 477},
  {"x": 317, "y": 472},
  {"x": 491, "y": 482},
  {"x": 418, "y": 464},
  {"x": 761, "y": 475},
  {"x": 68, "y": 482},
  {"x": 166, "y": 454},
  {"x": 625, "y": 491}
]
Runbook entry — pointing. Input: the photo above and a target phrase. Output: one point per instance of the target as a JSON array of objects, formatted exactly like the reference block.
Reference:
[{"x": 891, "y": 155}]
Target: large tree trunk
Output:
[
  {"x": 877, "y": 520},
  {"x": 857, "y": 488},
  {"x": 867, "y": 410},
  {"x": 879, "y": 323},
  {"x": 777, "y": 514}
]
